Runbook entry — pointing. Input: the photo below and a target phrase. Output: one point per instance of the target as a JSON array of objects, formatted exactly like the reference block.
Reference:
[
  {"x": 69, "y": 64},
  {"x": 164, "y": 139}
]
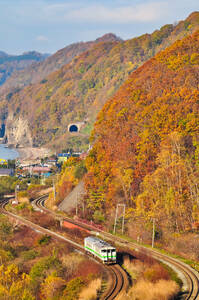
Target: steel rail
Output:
[
  {"x": 117, "y": 284},
  {"x": 189, "y": 276}
]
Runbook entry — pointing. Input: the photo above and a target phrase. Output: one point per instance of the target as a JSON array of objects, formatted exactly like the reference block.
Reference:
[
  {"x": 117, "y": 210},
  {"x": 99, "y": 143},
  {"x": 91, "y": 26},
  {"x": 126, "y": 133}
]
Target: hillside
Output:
[
  {"x": 36, "y": 72},
  {"x": 146, "y": 141},
  {"x": 12, "y": 63},
  {"x": 77, "y": 91}
]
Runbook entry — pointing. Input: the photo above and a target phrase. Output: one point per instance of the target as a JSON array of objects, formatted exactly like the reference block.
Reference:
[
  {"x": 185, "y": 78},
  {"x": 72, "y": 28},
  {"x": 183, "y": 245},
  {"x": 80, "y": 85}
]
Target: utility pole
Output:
[
  {"x": 54, "y": 190},
  {"x": 124, "y": 207},
  {"x": 76, "y": 204},
  {"x": 153, "y": 233},
  {"x": 54, "y": 186},
  {"x": 116, "y": 216},
  {"x": 16, "y": 196},
  {"x": 83, "y": 208},
  {"x": 115, "y": 219}
]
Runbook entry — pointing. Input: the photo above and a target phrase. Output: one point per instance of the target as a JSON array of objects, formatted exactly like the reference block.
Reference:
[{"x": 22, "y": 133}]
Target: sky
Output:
[{"x": 49, "y": 25}]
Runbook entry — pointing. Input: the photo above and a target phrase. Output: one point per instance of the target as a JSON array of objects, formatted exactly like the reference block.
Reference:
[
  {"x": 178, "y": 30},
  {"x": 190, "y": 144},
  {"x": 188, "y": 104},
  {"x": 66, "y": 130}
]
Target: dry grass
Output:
[
  {"x": 90, "y": 293},
  {"x": 161, "y": 290},
  {"x": 152, "y": 281},
  {"x": 134, "y": 268},
  {"x": 149, "y": 270}
]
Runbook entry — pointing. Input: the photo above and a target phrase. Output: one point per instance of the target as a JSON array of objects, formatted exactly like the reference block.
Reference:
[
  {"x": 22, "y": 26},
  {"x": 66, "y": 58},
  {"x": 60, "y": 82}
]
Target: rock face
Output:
[{"x": 17, "y": 131}]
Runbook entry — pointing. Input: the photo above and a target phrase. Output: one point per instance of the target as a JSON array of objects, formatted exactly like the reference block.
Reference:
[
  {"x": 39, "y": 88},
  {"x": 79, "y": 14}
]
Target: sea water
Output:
[{"x": 8, "y": 153}]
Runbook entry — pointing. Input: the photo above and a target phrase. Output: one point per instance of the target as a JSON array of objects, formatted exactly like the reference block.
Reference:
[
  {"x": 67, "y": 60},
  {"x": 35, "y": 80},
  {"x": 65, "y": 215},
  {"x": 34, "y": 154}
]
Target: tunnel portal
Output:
[{"x": 73, "y": 128}]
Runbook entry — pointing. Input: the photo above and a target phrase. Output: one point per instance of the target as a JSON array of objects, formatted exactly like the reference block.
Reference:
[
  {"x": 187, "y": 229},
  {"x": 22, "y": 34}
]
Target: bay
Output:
[{"x": 8, "y": 153}]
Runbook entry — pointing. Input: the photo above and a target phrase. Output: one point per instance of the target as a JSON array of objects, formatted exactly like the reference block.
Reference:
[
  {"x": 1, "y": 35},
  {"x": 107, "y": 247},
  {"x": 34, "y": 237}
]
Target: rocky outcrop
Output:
[{"x": 17, "y": 131}]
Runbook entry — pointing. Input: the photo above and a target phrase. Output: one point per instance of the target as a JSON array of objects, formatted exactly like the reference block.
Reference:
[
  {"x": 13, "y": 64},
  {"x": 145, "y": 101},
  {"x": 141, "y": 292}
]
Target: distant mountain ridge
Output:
[
  {"x": 11, "y": 63},
  {"x": 3, "y": 54},
  {"x": 78, "y": 90},
  {"x": 40, "y": 70}
]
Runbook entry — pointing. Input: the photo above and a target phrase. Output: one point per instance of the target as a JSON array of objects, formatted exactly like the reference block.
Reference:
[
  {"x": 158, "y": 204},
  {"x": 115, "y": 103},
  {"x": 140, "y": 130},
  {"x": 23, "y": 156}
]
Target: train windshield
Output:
[{"x": 113, "y": 252}]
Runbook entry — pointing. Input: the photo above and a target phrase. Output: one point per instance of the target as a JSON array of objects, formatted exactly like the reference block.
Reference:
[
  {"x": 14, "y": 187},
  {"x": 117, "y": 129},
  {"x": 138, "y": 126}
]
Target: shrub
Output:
[
  {"x": 155, "y": 273},
  {"x": 43, "y": 81},
  {"x": 5, "y": 227},
  {"x": 21, "y": 206},
  {"x": 30, "y": 254},
  {"x": 22, "y": 194},
  {"x": 90, "y": 292},
  {"x": 44, "y": 240},
  {"x": 40, "y": 269},
  {"x": 98, "y": 216},
  {"x": 71, "y": 263},
  {"x": 73, "y": 289},
  {"x": 5, "y": 255},
  {"x": 52, "y": 287},
  {"x": 80, "y": 170}
]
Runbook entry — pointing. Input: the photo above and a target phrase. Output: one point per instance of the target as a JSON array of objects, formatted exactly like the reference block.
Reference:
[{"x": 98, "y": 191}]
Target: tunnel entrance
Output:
[{"x": 73, "y": 128}]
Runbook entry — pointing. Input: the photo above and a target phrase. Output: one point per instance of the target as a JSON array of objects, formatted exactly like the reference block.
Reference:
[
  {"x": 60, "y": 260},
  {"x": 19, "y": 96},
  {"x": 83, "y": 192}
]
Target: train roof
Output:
[{"x": 99, "y": 243}]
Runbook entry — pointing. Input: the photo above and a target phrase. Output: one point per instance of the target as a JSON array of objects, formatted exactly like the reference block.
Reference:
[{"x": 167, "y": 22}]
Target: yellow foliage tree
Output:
[
  {"x": 13, "y": 285},
  {"x": 51, "y": 287}
]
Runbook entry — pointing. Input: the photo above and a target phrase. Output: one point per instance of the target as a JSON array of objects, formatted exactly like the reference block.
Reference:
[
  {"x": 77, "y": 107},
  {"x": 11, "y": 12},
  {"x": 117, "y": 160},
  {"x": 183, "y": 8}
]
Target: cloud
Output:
[
  {"x": 42, "y": 38},
  {"x": 148, "y": 12},
  {"x": 48, "y": 25},
  {"x": 99, "y": 13}
]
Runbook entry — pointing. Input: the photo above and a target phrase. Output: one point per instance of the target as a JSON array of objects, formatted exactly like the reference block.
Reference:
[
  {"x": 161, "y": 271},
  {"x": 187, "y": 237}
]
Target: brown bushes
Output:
[
  {"x": 90, "y": 293},
  {"x": 150, "y": 280},
  {"x": 186, "y": 245},
  {"x": 161, "y": 290},
  {"x": 154, "y": 273}
]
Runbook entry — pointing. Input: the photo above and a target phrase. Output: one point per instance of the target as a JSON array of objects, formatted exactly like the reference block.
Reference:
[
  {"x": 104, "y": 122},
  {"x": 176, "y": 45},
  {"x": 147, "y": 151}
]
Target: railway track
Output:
[
  {"x": 119, "y": 278},
  {"x": 188, "y": 275},
  {"x": 119, "y": 282}
]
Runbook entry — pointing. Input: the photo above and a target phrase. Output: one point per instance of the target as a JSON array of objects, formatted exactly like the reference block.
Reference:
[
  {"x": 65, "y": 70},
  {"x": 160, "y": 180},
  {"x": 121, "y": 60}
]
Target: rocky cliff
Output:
[{"x": 17, "y": 131}]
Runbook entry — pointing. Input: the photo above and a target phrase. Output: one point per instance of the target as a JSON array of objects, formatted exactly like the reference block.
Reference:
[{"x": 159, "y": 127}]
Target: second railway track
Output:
[
  {"x": 119, "y": 278},
  {"x": 189, "y": 276}
]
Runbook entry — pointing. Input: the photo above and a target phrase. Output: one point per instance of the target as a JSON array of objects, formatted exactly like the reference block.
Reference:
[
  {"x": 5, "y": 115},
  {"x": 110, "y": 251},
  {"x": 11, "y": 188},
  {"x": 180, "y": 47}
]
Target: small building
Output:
[
  {"x": 62, "y": 157},
  {"x": 51, "y": 162},
  {"x": 37, "y": 170}
]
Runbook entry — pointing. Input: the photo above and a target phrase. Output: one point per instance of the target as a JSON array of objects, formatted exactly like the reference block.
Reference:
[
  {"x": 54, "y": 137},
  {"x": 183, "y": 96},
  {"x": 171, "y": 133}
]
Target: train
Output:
[{"x": 100, "y": 249}]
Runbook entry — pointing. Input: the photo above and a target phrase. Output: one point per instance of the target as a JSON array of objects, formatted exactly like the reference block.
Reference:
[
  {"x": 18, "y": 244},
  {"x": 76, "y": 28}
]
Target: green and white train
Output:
[{"x": 100, "y": 249}]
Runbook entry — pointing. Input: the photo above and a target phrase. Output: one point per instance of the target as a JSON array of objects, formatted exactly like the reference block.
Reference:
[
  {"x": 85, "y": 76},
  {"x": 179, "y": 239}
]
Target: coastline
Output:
[{"x": 32, "y": 154}]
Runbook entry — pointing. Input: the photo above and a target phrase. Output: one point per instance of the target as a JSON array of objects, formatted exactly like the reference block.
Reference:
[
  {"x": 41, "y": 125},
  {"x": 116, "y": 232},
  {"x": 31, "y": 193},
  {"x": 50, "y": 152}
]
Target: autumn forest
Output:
[{"x": 138, "y": 105}]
